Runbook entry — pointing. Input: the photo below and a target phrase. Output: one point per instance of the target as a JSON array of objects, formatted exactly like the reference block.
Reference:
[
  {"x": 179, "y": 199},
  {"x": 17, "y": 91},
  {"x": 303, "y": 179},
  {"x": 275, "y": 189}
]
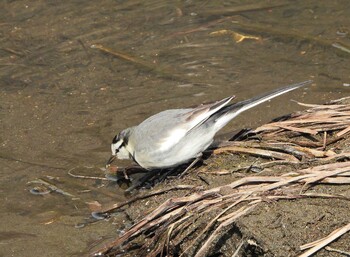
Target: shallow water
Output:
[{"x": 61, "y": 101}]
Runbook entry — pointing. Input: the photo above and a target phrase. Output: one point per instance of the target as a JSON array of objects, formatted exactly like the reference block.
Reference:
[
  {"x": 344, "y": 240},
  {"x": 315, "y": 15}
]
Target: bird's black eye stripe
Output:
[
  {"x": 115, "y": 139},
  {"x": 123, "y": 138}
]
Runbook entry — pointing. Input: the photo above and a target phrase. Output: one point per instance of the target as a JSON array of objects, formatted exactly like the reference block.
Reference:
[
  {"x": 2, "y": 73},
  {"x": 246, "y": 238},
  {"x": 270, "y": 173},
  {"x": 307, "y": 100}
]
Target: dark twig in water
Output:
[
  {"x": 239, "y": 9},
  {"x": 168, "y": 74},
  {"x": 10, "y": 158},
  {"x": 51, "y": 187},
  {"x": 83, "y": 176}
]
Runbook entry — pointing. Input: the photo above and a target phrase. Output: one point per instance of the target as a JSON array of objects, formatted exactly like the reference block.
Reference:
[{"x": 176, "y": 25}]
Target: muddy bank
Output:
[{"x": 272, "y": 191}]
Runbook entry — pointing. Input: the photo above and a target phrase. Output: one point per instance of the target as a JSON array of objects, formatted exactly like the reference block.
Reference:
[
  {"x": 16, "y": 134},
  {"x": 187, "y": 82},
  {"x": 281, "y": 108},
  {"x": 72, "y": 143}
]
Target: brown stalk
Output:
[
  {"x": 241, "y": 212},
  {"x": 319, "y": 244},
  {"x": 258, "y": 152},
  {"x": 212, "y": 222},
  {"x": 343, "y": 132}
]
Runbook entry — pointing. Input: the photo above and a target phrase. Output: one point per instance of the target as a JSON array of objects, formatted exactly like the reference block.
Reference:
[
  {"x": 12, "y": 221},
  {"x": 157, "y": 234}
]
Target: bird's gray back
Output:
[{"x": 158, "y": 126}]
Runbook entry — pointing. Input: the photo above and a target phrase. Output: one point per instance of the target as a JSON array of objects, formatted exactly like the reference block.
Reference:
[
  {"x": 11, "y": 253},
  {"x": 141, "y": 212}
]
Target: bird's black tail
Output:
[{"x": 230, "y": 111}]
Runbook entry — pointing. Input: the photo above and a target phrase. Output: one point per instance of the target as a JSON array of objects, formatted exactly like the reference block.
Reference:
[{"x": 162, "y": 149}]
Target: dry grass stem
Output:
[{"x": 319, "y": 244}]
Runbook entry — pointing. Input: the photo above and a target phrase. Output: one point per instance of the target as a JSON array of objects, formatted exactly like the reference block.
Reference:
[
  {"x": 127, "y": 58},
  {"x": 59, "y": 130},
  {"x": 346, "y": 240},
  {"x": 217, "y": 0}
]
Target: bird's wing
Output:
[
  {"x": 167, "y": 128},
  {"x": 200, "y": 114}
]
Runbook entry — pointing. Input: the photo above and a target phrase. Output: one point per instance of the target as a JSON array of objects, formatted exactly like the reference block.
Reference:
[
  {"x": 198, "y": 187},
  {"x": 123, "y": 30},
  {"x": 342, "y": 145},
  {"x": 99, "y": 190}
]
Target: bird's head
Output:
[{"x": 119, "y": 146}]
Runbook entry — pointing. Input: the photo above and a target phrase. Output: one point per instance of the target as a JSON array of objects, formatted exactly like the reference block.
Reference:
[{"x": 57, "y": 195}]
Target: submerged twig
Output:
[
  {"x": 51, "y": 187},
  {"x": 141, "y": 63},
  {"x": 237, "y": 37},
  {"x": 240, "y": 9},
  {"x": 83, "y": 176},
  {"x": 289, "y": 34}
]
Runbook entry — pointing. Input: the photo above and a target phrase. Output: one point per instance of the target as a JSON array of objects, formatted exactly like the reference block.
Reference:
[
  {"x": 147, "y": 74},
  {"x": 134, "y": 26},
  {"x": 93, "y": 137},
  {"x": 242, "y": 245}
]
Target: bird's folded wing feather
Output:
[{"x": 189, "y": 120}]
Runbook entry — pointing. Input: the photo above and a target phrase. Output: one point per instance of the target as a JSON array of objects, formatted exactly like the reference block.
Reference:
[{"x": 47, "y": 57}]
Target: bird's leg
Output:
[
  {"x": 198, "y": 158},
  {"x": 142, "y": 180},
  {"x": 166, "y": 174},
  {"x": 125, "y": 174}
]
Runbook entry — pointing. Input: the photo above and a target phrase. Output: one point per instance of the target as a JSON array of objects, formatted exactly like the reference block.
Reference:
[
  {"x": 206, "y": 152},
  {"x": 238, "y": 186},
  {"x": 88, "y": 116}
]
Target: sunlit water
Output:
[{"x": 61, "y": 101}]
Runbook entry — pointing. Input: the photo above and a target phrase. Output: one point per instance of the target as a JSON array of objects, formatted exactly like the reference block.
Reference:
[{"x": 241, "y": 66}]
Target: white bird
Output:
[{"x": 176, "y": 136}]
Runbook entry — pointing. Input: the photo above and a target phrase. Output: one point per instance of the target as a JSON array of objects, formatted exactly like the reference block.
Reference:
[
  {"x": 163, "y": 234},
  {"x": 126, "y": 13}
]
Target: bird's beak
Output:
[{"x": 110, "y": 160}]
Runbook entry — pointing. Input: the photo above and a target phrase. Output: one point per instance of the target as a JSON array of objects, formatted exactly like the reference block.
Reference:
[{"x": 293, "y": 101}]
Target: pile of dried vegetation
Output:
[{"x": 280, "y": 190}]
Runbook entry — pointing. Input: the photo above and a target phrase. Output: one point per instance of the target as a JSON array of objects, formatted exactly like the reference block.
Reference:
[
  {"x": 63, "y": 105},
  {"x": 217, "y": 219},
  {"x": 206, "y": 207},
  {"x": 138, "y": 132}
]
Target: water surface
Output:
[{"x": 61, "y": 101}]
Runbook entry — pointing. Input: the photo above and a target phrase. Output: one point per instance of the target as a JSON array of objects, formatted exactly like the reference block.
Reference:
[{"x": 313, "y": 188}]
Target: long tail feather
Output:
[{"x": 229, "y": 112}]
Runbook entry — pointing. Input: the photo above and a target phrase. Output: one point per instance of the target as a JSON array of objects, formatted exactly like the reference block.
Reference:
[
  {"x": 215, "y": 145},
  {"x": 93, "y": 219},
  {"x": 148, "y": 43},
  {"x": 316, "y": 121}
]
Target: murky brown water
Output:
[{"x": 61, "y": 101}]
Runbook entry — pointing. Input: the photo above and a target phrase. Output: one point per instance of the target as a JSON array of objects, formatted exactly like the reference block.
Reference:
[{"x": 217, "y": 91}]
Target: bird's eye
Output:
[
  {"x": 115, "y": 139},
  {"x": 116, "y": 145}
]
